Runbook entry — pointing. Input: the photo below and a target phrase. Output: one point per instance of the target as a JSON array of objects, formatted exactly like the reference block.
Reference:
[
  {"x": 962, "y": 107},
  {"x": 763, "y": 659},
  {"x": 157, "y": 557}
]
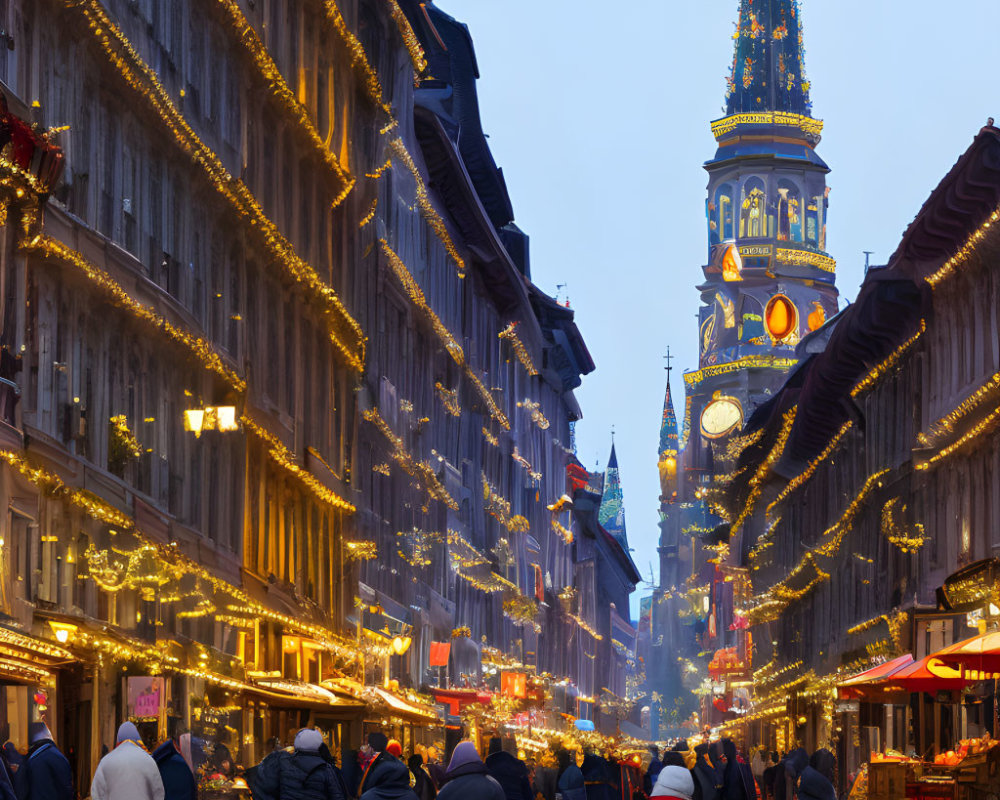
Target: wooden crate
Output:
[{"x": 887, "y": 780}]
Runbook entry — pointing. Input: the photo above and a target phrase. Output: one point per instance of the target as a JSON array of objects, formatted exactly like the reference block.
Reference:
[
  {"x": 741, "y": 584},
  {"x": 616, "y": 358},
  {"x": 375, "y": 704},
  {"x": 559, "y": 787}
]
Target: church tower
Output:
[
  {"x": 767, "y": 282},
  {"x": 611, "y": 514},
  {"x": 768, "y": 279}
]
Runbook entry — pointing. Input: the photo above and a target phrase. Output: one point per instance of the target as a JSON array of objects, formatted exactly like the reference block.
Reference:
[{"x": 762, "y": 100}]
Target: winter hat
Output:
[
  {"x": 127, "y": 732},
  {"x": 496, "y": 745},
  {"x": 37, "y": 731},
  {"x": 674, "y": 782},
  {"x": 309, "y": 739},
  {"x": 465, "y": 753},
  {"x": 394, "y": 748},
  {"x": 377, "y": 741}
]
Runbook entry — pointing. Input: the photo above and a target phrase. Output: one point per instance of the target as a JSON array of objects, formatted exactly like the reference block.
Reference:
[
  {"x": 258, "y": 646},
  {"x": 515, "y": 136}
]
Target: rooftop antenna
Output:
[{"x": 868, "y": 255}]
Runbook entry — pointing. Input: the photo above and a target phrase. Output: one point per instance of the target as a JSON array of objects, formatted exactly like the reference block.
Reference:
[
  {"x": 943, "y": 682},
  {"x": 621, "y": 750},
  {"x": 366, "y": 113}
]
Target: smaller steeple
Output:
[
  {"x": 612, "y": 512},
  {"x": 668, "y": 426}
]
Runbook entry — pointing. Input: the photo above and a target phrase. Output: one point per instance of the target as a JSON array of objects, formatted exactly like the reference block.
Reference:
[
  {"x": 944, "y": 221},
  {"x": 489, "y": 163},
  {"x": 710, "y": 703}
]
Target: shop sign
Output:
[
  {"x": 971, "y": 588},
  {"x": 514, "y": 684},
  {"x": 848, "y": 707},
  {"x": 145, "y": 697}
]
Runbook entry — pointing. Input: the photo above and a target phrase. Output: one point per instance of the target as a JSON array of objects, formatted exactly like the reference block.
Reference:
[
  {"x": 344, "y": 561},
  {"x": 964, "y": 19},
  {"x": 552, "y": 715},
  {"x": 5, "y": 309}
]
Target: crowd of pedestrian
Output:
[{"x": 379, "y": 770}]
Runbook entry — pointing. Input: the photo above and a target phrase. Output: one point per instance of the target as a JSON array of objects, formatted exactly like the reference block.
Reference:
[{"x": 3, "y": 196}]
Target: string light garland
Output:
[
  {"x": 370, "y": 215},
  {"x": 409, "y": 37},
  {"x": 357, "y": 56},
  {"x": 416, "y": 295},
  {"x": 983, "y": 427},
  {"x": 285, "y": 459},
  {"x": 878, "y": 372},
  {"x": 420, "y": 470},
  {"x": 564, "y": 533},
  {"x": 803, "y": 477},
  {"x": 895, "y": 623},
  {"x": 749, "y": 362},
  {"x": 361, "y": 551},
  {"x": 899, "y": 536},
  {"x": 757, "y": 481},
  {"x": 434, "y": 220},
  {"x": 490, "y": 438},
  {"x": 123, "y": 438},
  {"x": 198, "y": 348},
  {"x": 282, "y": 93},
  {"x": 344, "y": 331},
  {"x": 510, "y": 335},
  {"x": 806, "y": 258},
  {"x": 727, "y": 125},
  {"x": 449, "y": 399},
  {"x": 965, "y": 251},
  {"x": 534, "y": 409},
  {"x": 944, "y": 427}
]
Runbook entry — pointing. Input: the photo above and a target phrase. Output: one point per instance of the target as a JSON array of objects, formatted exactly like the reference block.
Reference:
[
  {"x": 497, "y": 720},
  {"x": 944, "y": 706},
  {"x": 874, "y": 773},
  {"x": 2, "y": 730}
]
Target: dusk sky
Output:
[{"x": 599, "y": 116}]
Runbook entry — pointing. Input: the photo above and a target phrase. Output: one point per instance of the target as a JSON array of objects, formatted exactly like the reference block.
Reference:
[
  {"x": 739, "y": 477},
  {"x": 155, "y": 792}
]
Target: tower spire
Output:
[
  {"x": 611, "y": 514},
  {"x": 668, "y": 425},
  {"x": 768, "y": 72}
]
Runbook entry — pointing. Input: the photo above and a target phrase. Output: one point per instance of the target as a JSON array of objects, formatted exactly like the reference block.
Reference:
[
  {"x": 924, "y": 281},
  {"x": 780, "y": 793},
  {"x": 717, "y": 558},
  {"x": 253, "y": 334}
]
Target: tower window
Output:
[{"x": 753, "y": 218}]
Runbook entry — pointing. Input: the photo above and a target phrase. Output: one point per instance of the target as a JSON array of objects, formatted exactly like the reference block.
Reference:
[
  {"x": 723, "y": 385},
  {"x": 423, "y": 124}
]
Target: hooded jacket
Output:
[
  {"x": 738, "y": 783},
  {"x": 468, "y": 778},
  {"x": 825, "y": 763},
  {"x": 178, "y": 780},
  {"x": 388, "y": 778},
  {"x": 304, "y": 775},
  {"x": 674, "y": 782},
  {"x": 788, "y": 772},
  {"x": 571, "y": 784},
  {"x": 595, "y": 777},
  {"x": 707, "y": 781},
  {"x": 423, "y": 786},
  {"x": 512, "y": 775},
  {"x": 44, "y": 774},
  {"x": 127, "y": 773},
  {"x": 813, "y": 785}
]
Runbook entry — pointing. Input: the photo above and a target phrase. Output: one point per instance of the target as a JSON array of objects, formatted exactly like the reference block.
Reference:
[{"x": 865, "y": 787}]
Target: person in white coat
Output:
[{"x": 128, "y": 772}]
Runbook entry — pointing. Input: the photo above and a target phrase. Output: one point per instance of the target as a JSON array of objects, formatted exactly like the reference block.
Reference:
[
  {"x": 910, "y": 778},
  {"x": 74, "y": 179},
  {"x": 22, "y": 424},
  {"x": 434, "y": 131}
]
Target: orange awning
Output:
[
  {"x": 979, "y": 654},
  {"x": 929, "y": 674}
]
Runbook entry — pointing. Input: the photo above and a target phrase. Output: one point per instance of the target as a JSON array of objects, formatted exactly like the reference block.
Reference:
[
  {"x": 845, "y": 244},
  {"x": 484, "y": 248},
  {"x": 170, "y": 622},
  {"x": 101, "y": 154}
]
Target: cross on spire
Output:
[{"x": 668, "y": 358}]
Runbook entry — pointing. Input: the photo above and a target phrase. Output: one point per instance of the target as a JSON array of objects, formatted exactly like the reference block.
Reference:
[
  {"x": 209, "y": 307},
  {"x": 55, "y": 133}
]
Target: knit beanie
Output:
[
  {"x": 308, "y": 739},
  {"x": 674, "y": 782},
  {"x": 127, "y": 732}
]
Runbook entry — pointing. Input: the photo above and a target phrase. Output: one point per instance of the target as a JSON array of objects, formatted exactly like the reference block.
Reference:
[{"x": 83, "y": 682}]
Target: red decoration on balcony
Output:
[{"x": 30, "y": 150}]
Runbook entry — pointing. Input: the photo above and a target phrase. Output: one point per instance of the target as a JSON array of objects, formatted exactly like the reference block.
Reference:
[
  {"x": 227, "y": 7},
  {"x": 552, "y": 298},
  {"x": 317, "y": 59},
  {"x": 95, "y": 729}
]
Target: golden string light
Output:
[
  {"x": 984, "y": 426},
  {"x": 879, "y": 371},
  {"x": 944, "y": 427},
  {"x": 370, "y": 215},
  {"x": 285, "y": 459},
  {"x": 907, "y": 541},
  {"x": 358, "y": 57},
  {"x": 423, "y": 472},
  {"x": 749, "y": 362},
  {"x": 965, "y": 251},
  {"x": 806, "y": 258},
  {"x": 757, "y": 481},
  {"x": 510, "y": 334},
  {"x": 344, "y": 331},
  {"x": 409, "y": 37},
  {"x": 361, "y": 551},
  {"x": 895, "y": 623},
  {"x": 449, "y": 399},
  {"x": 448, "y": 341},
  {"x": 564, "y": 533},
  {"x": 535, "y": 410},
  {"x": 282, "y": 93},
  {"x": 804, "y": 476},
  {"x": 123, "y": 436},
  {"x": 198, "y": 348},
  {"x": 437, "y": 224}
]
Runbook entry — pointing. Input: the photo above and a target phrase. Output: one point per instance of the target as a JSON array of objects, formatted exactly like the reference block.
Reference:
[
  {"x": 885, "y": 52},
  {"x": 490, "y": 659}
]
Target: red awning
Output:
[
  {"x": 929, "y": 674},
  {"x": 979, "y": 654},
  {"x": 457, "y": 699},
  {"x": 867, "y": 681}
]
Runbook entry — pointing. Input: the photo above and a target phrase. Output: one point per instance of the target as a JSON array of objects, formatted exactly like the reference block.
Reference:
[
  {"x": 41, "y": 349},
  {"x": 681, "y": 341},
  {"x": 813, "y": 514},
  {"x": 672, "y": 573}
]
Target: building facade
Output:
[{"x": 286, "y": 425}]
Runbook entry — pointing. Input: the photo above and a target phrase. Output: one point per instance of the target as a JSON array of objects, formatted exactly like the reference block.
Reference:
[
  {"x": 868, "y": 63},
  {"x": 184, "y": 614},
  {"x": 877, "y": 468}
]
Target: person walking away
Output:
[
  {"x": 814, "y": 785},
  {"x": 653, "y": 770},
  {"x": 434, "y": 768},
  {"x": 674, "y": 782},
  {"x": 509, "y": 771},
  {"x": 570, "y": 785},
  {"x": 301, "y": 775},
  {"x": 825, "y": 763},
  {"x": 737, "y": 779},
  {"x": 175, "y": 771},
  {"x": 388, "y": 778},
  {"x": 707, "y": 782},
  {"x": 128, "y": 772},
  {"x": 45, "y": 774},
  {"x": 468, "y": 778},
  {"x": 787, "y": 774},
  {"x": 767, "y": 780},
  {"x": 595, "y": 777},
  {"x": 423, "y": 786}
]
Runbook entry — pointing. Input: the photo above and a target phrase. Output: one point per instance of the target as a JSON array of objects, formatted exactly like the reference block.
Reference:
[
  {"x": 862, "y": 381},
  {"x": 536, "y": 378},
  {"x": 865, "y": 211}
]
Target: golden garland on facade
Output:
[
  {"x": 534, "y": 409},
  {"x": 944, "y": 427},
  {"x": 806, "y": 258},
  {"x": 357, "y": 56},
  {"x": 416, "y": 295},
  {"x": 804, "y": 476},
  {"x": 198, "y": 348},
  {"x": 905, "y": 540},
  {"x": 756, "y": 484},
  {"x": 449, "y": 399},
  {"x": 345, "y": 332},
  {"x": 409, "y": 37},
  {"x": 510, "y": 334},
  {"x": 965, "y": 251},
  {"x": 285, "y": 459},
  {"x": 880, "y": 370}
]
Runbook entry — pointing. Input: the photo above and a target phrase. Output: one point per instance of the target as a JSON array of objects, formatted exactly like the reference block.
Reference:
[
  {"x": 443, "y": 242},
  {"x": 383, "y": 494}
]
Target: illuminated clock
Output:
[{"x": 721, "y": 416}]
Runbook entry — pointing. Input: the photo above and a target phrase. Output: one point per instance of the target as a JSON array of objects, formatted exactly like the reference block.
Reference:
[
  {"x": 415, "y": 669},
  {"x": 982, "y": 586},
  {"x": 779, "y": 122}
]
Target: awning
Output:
[
  {"x": 457, "y": 699},
  {"x": 866, "y": 682},
  {"x": 385, "y": 701},
  {"x": 980, "y": 654},
  {"x": 929, "y": 674},
  {"x": 25, "y": 659},
  {"x": 296, "y": 694}
]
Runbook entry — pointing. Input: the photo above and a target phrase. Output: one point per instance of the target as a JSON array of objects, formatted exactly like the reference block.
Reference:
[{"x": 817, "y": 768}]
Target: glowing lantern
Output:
[
  {"x": 732, "y": 264},
  {"x": 817, "y": 317},
  {"x": 781, "y": 318}
]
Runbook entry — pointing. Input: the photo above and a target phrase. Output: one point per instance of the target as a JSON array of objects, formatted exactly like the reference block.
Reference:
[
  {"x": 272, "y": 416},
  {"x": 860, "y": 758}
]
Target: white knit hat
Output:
[
  {"x": 674, "y": 782},
  {"x": 308, "y": 739}
]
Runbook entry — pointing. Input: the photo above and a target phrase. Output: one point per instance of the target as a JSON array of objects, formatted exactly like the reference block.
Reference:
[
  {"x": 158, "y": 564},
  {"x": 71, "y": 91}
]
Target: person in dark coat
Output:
[
  {"x": 45, "y": 774},
  {"x": 825, "y": 763},
  {"x": 509, "y": 771},
  {"x": 468, "y": 778},
  {"x": 570, "y": 782},
  {"x": 302, "y": 775},
  {"x": 351, "y": 772},
  {"x": 595, "y": 777},
  {"x": 707, "y": 781},
  {"x": 388, "y": 778},
  {"x": 767, "y": 781},
  {"x": 672, "y": 758},
  {"x": 787, "y": 773},
  {"x": 434, "y": 768},
  {"x": 178, "y": 779},
  {"x": 6, "y": 782},
  {"x": 737, "y": 782},
  {"x": 813, "y": 785},
  {"x": 423, "y": 786},
  {"x": 653, "y": 770}
]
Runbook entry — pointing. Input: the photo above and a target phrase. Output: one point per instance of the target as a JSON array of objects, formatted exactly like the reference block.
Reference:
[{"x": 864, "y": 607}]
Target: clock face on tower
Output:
[{"x": 721, "y": 416}]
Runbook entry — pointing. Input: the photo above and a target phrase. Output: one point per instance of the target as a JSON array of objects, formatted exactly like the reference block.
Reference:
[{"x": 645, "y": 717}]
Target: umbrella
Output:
[
  {"x": 867, "y": 682},
  {"x": 980, "y": 653}
]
